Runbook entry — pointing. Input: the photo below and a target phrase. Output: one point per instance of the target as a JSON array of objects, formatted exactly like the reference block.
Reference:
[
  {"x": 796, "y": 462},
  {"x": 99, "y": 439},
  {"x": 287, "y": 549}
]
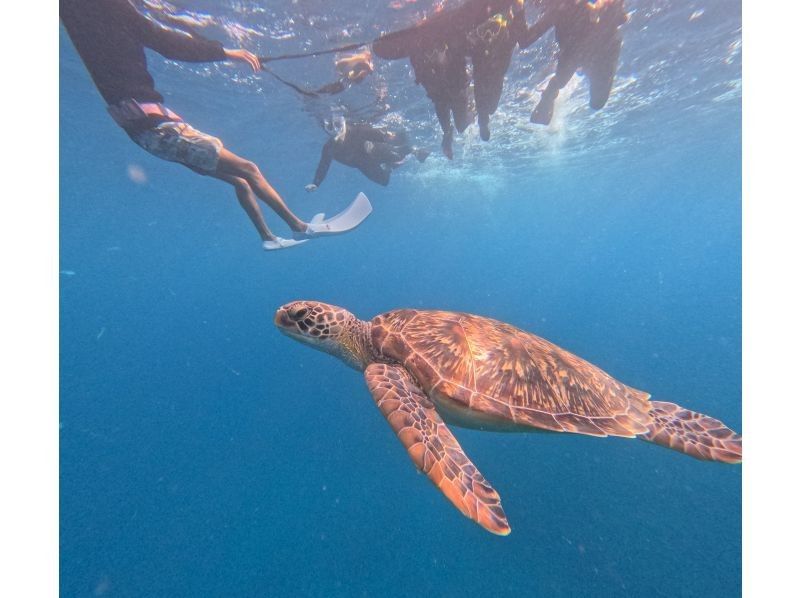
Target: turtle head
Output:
[{"x": 325, "y": 327}]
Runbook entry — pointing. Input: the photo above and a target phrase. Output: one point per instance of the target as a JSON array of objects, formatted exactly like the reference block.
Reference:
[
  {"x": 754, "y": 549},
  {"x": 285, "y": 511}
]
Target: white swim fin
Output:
[
  {"x": 343, "y": 222},
  {"x": 279, "y": 243}
]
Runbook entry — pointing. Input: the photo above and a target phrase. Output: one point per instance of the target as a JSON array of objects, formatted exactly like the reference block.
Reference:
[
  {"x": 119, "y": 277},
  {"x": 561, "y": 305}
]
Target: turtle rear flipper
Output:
[
  {"x": 695, "y": 434},
  {"x": 433, "y": 448}
]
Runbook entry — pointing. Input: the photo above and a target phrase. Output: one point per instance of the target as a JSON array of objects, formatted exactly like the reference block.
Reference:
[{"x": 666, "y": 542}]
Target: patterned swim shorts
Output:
[{"x": 180, "y": 142}]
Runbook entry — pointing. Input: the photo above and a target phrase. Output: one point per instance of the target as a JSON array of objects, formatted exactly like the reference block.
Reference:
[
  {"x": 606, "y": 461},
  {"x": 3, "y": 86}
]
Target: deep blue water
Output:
[{"x": 205, "y": 454}]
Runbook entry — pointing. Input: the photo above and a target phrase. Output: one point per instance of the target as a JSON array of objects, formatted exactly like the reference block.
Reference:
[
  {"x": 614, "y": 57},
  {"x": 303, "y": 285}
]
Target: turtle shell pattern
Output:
[{"x": 491, "y": 368}]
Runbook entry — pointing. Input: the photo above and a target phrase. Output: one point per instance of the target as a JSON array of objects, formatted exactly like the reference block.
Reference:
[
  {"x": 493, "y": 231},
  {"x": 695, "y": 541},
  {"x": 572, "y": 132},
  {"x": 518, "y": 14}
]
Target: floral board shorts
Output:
[{"x": 180, "y": 142}]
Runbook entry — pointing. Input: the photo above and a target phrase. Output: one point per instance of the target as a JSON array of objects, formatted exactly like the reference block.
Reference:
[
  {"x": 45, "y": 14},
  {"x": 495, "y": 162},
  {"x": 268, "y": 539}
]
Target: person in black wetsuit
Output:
[
  {"x": 588, "y": 37},
  {"x": 352, "y": 69},
  {"x": 491, "y": 45},
  {"x": 438, "y": 48},
  {"x": 373, "y": 150},
  {"x": 110, "y": 37},
  {"x": 440, "y": 66}
]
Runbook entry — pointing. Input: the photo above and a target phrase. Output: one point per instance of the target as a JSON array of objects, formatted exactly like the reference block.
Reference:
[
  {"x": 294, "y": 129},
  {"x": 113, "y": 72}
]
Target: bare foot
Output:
[{"x": 447, "y": 146}]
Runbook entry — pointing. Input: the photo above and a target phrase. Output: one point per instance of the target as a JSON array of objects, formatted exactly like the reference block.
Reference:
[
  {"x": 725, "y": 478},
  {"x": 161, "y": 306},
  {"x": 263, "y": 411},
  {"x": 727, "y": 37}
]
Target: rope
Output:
[
  {"x": 346, "y": 48},
  {"x": 297, "y": 88}
]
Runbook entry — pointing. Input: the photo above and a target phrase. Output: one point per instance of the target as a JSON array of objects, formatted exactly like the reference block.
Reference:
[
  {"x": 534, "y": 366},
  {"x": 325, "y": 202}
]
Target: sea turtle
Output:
[{"x": 425, "y": 368}]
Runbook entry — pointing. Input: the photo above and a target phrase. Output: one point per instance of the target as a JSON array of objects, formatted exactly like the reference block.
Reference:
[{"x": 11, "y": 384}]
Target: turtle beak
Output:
[{"x": 282, "y": 320}]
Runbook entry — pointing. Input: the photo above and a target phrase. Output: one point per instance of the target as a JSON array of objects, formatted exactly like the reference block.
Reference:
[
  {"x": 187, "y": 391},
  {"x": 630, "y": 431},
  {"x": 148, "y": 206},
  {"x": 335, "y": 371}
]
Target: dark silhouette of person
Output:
[
  {"x": 441, "y": 68},
  {"x": 588, "y": 36},
  {"x": 491, "y": 46},
  {"x": 438, "y": 48},
  {"x": 352, "y": 69},
  {"x": 110, "y": 37},
  {"x": 372, "y": 150}
]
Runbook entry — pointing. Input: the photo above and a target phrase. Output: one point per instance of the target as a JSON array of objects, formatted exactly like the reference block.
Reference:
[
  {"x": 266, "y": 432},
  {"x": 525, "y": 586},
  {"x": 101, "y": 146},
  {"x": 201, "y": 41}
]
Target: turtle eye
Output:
[{"x": 297, "y": 313}]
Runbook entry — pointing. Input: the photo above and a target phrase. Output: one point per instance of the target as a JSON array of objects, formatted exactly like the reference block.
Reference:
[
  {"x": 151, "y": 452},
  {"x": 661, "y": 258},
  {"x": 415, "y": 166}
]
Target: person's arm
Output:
[
  {"x": 618, "y": 10},
  {"x": 332, "y": 88},
  {"x": 176, "y": 44},
  {"x": 324, "y": 164},
  {"x": 519, "y": 24}
]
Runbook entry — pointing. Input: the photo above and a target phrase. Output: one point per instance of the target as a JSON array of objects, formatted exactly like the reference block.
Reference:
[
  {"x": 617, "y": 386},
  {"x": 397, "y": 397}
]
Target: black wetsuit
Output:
[
  {"x": 376, "y": 164},
  {"x": 441, "y": 68},
  {"x": 587, "y": 40},
  {"x": 593, "y": 45},
  {"x": 111, "y": 35},
  {"x": 491, "y": 46}
]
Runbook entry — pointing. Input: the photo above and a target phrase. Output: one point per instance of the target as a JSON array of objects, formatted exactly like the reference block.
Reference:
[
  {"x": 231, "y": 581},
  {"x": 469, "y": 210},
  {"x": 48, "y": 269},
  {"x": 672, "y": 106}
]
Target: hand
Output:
[
  {"x": 244, "y": 56},
  {"x": 311, "y": 188}
]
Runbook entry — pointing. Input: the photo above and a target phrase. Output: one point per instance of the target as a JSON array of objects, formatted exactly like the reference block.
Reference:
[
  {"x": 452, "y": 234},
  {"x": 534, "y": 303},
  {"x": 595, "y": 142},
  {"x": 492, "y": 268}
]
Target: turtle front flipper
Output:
[{"x": 432, "y": 447}]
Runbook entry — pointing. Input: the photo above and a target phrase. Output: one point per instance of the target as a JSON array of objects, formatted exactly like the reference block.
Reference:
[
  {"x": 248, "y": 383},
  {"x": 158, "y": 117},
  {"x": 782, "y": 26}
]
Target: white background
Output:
[{"x": 29, "y": 298}]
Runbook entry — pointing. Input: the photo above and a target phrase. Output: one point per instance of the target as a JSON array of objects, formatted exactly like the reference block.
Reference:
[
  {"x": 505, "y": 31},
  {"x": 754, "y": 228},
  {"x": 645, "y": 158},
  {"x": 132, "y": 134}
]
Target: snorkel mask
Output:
[
  {"x": 336, "y": 127},
  {"x": 488, "y": 32}
]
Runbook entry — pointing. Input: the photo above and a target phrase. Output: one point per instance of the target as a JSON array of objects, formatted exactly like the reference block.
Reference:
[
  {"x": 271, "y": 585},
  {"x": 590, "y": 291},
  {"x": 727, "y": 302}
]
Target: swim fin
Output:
[
  {"x": 279, "y": 243},
  {"x": 343, "y": 222}
]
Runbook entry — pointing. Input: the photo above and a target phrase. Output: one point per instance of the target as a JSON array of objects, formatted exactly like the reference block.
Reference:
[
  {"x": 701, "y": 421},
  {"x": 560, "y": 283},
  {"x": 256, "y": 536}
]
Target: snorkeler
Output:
[
  {"x": 442, "y": 70},
  {"x": 588, "y": 37},
  {"x": 491, "y": 45},
  {"x": 437, "y": 48},
  {"x": 351, "y": 69},
  {"x": 373, "y": 150},
  {"x": 110, "y": 37}
]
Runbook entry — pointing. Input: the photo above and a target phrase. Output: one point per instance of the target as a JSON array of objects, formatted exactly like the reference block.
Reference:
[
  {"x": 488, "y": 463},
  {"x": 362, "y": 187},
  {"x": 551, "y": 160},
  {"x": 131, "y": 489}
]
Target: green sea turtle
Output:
[{"x": 425, "y": 368}]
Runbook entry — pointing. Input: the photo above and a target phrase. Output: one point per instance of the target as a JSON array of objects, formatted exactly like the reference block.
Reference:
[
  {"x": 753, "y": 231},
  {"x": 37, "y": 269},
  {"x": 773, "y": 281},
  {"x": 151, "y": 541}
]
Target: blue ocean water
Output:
[{"x": 205, "y": 454}]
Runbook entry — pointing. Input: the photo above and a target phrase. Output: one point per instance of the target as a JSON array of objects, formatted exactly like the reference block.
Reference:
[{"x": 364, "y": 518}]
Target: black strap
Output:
[
  {"x": 333, "y": 88},
  {"x": 297, "y": 88},
  {"x": 346, "y": 48}
]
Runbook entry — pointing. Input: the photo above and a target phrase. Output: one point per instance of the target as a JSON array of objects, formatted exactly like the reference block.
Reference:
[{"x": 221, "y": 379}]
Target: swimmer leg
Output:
[
  {"x": 443, "y": 114},
  {"x": 247, "y": 200},
  {"x": 601, "y": 73},
  {"x": 232, "y": 165},
  {"x": 567, "y": 65}
]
